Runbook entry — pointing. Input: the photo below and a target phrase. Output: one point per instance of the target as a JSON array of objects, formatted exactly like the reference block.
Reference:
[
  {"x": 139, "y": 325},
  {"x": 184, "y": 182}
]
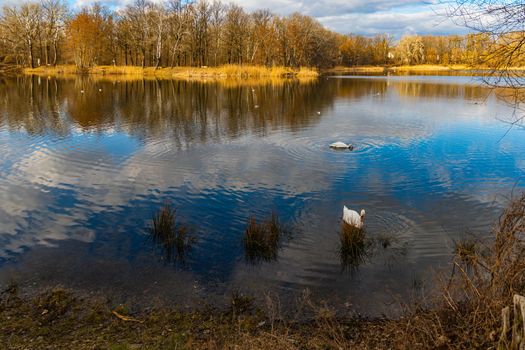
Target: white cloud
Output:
[
  {"x": 395, "y": 17},
  {"x": 424, "y": 21}
]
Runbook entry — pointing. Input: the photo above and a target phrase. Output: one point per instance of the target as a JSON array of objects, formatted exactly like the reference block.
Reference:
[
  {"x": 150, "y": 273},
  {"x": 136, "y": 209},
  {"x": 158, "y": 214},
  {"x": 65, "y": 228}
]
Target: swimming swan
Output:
[
  {"x": 341, "y": 145},
  {"x": 352, "y": 218}
]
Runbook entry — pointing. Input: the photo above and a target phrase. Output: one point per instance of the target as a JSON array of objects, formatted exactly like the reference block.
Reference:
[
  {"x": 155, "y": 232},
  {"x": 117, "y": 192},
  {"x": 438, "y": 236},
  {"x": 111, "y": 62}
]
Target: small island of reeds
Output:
[{"x": 221, "y": 72}]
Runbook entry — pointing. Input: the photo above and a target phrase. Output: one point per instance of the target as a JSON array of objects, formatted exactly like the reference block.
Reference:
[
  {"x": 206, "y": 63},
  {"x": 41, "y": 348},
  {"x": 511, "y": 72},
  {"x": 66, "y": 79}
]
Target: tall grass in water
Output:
[
  {"x": 174, "y": 239},
  {"x": 262, "y": 239},
  {"x": 353, "y": 247}
]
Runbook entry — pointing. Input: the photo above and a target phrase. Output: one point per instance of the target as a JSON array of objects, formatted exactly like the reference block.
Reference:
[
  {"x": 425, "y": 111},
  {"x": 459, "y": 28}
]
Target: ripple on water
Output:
[{"x": 309, "y": 149}]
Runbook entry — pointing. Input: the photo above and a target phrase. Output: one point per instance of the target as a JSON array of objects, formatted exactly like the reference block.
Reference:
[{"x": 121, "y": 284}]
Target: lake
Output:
[{"x": 86, "y": 163}]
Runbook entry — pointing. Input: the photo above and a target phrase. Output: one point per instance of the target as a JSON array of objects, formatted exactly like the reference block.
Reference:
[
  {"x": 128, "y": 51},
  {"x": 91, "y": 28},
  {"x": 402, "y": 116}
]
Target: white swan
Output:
[
  {"x": 341, "y": 145},
  {"x": 352, "y": 218}
]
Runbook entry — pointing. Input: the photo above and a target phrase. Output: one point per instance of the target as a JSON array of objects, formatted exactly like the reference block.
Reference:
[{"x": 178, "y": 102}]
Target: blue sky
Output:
[{"x": 367, "y": 17}]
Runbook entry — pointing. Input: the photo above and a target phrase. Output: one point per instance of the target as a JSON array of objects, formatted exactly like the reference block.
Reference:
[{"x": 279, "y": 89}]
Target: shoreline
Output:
[
  {"x": 59, "y": 318},
  {"x": 218, "y": 73},
  {"x": 463, "y": 310},
  {"x": 244, "y": 73},
  {"x": 421, "y": 69}
]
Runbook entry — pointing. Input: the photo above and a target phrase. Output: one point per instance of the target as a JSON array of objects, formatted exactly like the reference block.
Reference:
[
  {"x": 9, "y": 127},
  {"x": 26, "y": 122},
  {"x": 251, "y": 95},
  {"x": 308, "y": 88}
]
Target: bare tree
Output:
[
  {"x": 158, "y": 23},
  {"x": 179, "y": 20},
  {"x": 138, "y": 24},
  {"x": 503, "y": 21},
  {"x": 54, "y": 16},
  {"x": 22, "y": 26}
]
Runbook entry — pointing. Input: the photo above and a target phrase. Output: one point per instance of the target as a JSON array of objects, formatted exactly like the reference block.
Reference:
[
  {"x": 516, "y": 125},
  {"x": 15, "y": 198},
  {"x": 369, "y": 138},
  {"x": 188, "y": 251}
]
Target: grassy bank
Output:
[
  {"x": 222, "y": 72},
  {"x": 422, "y": 69},
  {"x": 61, "y": 319}
]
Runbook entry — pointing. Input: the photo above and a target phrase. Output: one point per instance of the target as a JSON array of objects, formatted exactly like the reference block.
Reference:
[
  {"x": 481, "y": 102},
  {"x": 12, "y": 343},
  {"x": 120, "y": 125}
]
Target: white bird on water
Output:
[
  {"x": 352, "y": 218},
  {"x": 341, "y": 145}
]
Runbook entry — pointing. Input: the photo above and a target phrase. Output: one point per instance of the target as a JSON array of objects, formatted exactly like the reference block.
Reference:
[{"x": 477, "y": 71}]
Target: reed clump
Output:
[
  {"x": 174, "y": 239},
  {"x": 353, "y": 246},
  {"x": 262, "y": 239},
  {"x": 221, "y": 72}
]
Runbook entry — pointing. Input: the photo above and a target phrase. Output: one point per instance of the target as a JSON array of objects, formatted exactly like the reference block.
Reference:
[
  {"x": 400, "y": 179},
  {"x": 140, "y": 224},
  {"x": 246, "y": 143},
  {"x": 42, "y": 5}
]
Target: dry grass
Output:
[
  {"x": 353, "y": 249},
  {"x": 421, "y": 68},
  {"x": 174, "y": 239},
  {"x": 226, "y": 71},
  {"x": 432, "y": 68},
  {"x": 466, "y": 250},
  {"x": 50, "y": 70},
  {"x": 226, "y": 82},
  {"x": 466, "y": 312},
  {"x": 355, "y": 70},
  {"x": 262, "y": 240},
  {"x": 61, "y": 319}
]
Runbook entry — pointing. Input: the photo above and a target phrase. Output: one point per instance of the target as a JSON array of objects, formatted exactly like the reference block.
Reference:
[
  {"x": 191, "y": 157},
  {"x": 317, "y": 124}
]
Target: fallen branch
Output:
[{"x": 126, "y": 318}]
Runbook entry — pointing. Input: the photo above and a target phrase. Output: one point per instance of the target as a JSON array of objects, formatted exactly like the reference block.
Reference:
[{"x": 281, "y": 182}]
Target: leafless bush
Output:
[{"x": 467, "y": 313}]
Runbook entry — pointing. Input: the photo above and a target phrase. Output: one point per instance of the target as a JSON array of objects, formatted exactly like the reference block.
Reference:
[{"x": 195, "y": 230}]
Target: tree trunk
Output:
[
  {"x": 31, "y": 63},
  {"x": 55, "y": 53}
]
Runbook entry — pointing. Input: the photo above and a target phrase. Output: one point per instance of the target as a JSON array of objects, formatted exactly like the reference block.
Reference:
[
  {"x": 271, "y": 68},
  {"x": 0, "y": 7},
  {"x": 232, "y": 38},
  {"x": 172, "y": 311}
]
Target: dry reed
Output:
[
  {"x": 467, "y": 312},
  {"x": 353, "y": 248},
  {"x": 175, "y": 240},
  {"x": 261, "y": 240},
  {"x": 221, "y": 72}
]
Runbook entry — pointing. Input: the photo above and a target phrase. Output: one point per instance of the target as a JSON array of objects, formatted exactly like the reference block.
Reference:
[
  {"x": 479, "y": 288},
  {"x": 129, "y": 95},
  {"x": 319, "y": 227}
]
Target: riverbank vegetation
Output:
[
  {"x": 226, "y": 71},
  {"x": 460, "y": 309},
  {"x": 417, "y": 68},
  {"x": 353, "y": 246},
  {"x": 208, "y": 34},
  {"x": 173, "y": 238},
  {"x": 262, "y": 239}
]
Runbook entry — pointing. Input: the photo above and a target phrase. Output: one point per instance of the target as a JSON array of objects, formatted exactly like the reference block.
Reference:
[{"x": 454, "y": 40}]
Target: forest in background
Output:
[{"x": 208, "y": 33}]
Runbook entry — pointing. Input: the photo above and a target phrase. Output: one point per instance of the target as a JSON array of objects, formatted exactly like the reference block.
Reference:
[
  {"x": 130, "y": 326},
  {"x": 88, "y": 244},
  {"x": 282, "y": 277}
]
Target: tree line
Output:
[{"x": 206, "y": 33}]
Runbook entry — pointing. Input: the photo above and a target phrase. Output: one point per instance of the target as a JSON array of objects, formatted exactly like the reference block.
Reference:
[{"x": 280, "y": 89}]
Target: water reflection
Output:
[
  {"x": 185, "y": 111},
  {"x": 81, "y": 173}
]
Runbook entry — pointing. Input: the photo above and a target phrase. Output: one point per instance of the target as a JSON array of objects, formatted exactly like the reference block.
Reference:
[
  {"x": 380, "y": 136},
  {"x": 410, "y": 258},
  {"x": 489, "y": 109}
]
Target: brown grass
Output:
[
  {"x": 261, "y": 239},
  {"x": 421, "y": 68},
  {"x": 175, "y": 240},
  {"x": 466, "y": 313},
  {"x": 353, "y": 248},
  {"x": 222, "y": 72},
  {"x": 61, "y": 319},
  {"x": 432, "y": 68}
]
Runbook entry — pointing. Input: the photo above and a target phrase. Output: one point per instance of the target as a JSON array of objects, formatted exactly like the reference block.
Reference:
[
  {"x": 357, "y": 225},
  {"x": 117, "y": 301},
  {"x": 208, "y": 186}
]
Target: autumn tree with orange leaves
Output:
[{"x": 87, "y": 37}]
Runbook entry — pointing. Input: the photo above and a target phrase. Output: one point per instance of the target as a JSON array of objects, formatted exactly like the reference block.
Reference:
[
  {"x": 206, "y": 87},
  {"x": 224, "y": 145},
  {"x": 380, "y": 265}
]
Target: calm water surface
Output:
[{"x": 81, "y": 175}]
